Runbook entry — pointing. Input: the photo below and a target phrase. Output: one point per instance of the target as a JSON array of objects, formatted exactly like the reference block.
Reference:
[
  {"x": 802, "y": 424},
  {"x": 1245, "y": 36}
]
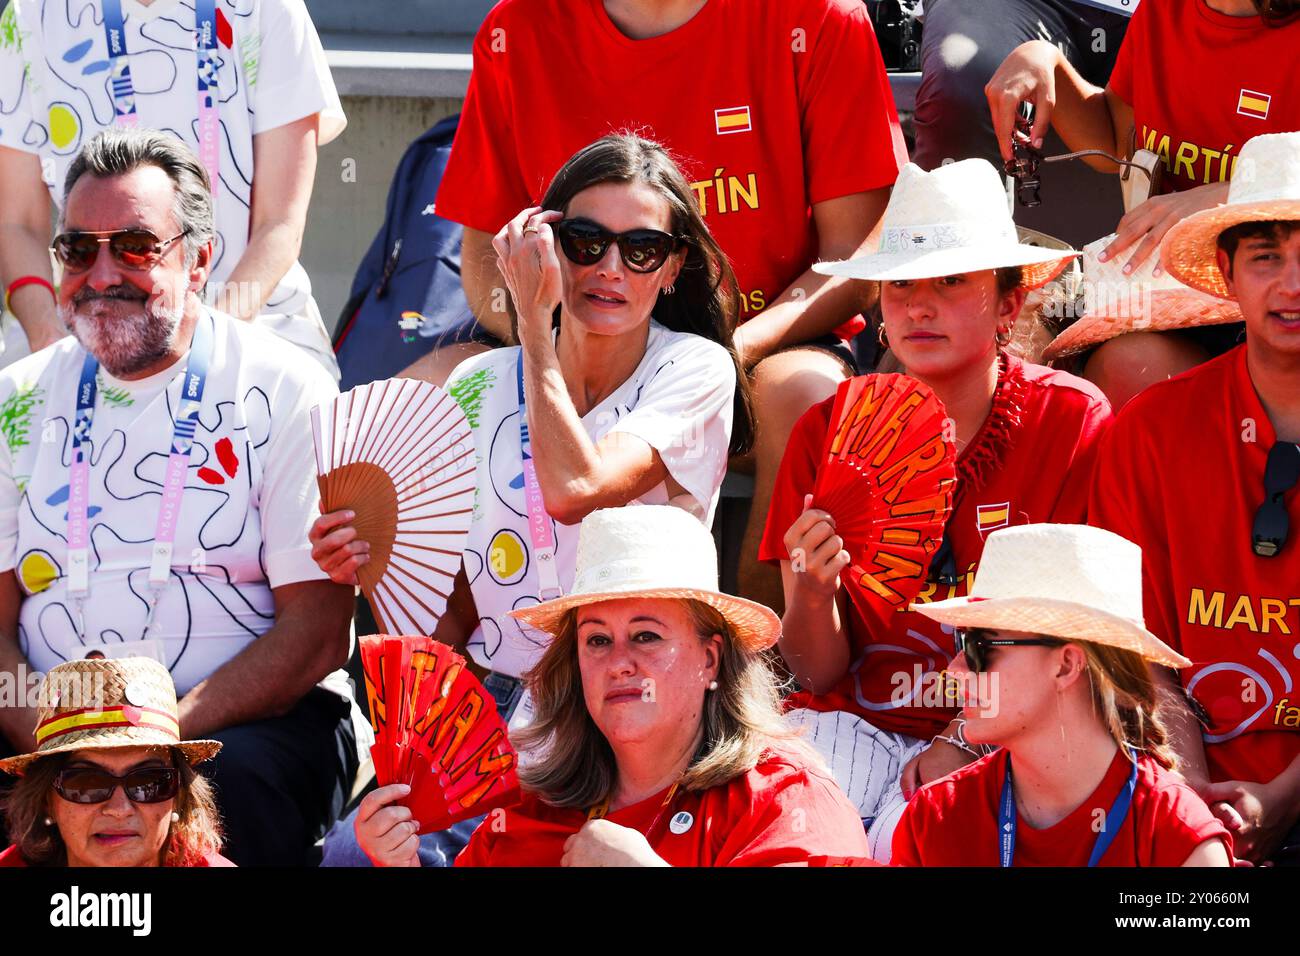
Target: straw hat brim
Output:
[
  {"x": 195, "y": 751},
  {"x": 1189, "y": 250},
  {"x": 1039, "y": 265},
  {"x": 1054, "y": 618},
  {"x": 755, "y": 625},
  {"x": 1170, "y": 309}
]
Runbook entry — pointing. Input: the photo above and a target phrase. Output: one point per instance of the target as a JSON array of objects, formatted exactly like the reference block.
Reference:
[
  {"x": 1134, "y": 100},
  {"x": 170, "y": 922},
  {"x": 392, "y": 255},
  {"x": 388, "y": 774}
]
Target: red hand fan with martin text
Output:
[
  {"x": 437, "y": 729},
  {"x": 887, "y": 477}
]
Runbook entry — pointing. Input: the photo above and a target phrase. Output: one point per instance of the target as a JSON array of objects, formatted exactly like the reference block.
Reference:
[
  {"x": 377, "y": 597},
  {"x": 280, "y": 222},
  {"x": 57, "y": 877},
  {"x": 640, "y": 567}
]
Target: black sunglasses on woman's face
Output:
[
  {"x": 585, "y": 241},
  {"x": 974, "y": 643},
  {"x": 96, "y": 785}
]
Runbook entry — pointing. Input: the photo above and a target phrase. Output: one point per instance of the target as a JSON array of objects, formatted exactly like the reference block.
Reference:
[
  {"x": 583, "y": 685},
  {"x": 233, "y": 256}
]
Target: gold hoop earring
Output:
[
  {"x": 669, "y": 289},
  {"x": 881, "y": 337}
]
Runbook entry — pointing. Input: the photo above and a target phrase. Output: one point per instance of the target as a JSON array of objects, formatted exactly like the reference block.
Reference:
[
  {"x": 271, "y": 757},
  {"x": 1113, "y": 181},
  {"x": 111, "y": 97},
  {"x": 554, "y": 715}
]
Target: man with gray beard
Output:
[{"x": 117, "y": 539}]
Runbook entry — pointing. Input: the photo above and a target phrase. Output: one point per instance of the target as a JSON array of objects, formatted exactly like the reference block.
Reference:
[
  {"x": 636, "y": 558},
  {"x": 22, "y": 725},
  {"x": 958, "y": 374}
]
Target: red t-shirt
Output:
[
  {"x": 1201, "y": 83},
  {"x": 781, "y": 812},
  {"x": 11, "y": 857},
  {"x": 1030, "y": 462},
  {"x": 768, "y": 105},
  {"x": 1182, "y": 474},
  {"x": 953, "y": 821}
]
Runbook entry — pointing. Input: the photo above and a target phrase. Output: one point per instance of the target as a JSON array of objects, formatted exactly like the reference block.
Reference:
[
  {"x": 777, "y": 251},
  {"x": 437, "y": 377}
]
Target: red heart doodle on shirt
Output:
[
  {"x": 227, "y": 459},
  {"x": 133, "y": 715}
]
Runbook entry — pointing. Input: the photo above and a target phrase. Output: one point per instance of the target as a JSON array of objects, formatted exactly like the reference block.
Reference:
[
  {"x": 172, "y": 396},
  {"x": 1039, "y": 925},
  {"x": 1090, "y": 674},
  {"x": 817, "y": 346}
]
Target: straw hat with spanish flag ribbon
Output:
[{"x": 105, "y": 704}]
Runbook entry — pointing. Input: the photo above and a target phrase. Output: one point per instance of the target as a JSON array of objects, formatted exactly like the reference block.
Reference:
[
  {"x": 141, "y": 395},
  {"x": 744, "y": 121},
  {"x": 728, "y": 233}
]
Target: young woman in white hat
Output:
[
  {"x": 658, "y": 738},
  {"x": 1053, "y": 665},
  {"x": 953, "y": 279},
  {"x": 111, "y": 782}
]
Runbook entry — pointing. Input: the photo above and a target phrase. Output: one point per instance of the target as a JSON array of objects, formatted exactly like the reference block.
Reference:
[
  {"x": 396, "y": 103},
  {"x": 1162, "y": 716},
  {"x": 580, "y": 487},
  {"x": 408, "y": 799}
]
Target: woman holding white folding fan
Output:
[{"x": 625, "y": 388}]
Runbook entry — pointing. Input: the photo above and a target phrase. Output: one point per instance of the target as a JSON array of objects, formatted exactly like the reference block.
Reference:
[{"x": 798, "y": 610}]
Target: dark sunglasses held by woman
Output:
[
  {"x": 130, "y": 248},
  {"x": 643, "y": 250},
  {"x": 974, "y": 643},
  {"x": 92, "y": 785}
]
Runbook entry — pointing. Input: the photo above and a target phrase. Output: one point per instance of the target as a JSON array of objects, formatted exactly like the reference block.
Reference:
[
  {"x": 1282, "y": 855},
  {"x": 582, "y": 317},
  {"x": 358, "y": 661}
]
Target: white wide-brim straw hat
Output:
[
  {"x": 1115, "y": 303},
  {"x": 106, "y": 705},
  {"x": 1265, "y": 186},
  {"x": 652, "y": 551},
  {"x": 952, "y": 220},
  {"x": 1074, "y": 582}
]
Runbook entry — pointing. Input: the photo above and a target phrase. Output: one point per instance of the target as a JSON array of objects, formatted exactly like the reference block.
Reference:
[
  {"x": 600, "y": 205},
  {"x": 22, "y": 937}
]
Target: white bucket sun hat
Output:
[
  {"x": 1074, "y": 582},
  {"x": 1115, "y": 303},
  {"x": 1265, "y": 186},
  {"x": 952, "y": 220},
  {"x": 652, "y": 551}
]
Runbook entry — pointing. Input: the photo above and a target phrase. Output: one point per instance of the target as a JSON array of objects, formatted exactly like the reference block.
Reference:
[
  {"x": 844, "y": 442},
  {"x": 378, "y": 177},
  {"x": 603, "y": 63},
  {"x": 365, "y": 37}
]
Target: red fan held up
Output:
[
  {"x": 887, "y": 478},
  {"x": 436, "y": 729}
]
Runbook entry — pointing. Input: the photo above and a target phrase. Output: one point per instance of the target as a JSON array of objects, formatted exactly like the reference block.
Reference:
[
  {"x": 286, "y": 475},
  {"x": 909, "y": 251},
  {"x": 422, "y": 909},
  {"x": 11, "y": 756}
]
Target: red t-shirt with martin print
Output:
[
  {"x": 1201, "y": 83},
  {"x": 770, "y": 106},
  {"x": 1182, "y": 475}
]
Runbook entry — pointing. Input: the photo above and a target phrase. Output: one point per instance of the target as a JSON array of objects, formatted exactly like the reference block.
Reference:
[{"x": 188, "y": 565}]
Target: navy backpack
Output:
[{"x": 406, "y": 297}]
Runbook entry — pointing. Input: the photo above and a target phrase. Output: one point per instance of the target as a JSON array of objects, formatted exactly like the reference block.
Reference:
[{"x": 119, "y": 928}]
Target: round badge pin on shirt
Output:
[
  {"x": 681, "y": 822},
  {"x": 135, "y": 694}
]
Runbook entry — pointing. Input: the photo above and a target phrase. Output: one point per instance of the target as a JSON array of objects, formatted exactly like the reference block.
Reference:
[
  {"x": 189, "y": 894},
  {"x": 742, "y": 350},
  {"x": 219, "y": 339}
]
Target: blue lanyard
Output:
[
  {"x": 122, "y": 88},
  {"x": 1007, "y": 818},
  {"x": 193, "y": 381}
]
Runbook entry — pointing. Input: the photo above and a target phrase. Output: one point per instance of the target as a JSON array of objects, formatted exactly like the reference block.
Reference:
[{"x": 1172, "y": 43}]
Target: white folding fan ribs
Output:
[{"x": 400, "y": 454}]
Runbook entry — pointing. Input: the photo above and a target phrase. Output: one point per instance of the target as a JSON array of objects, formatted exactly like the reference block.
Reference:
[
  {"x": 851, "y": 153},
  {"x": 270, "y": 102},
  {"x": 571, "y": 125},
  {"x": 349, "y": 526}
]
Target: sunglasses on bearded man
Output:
[{"x": 135, "y": 249}]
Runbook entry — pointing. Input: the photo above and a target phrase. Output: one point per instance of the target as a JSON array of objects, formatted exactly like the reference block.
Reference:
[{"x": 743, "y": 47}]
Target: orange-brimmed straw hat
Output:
[
  {"x": 1265, "y": 186},
  {"x": 107, "y": 704},
  {"x": 1115, "y": 303}
]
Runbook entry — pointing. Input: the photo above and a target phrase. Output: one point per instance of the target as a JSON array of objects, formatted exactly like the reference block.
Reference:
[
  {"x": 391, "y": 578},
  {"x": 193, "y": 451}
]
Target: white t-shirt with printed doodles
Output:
[
  {"x": 250, "y": 498},
  {"x": 55, "y": 96},
  {"x": 679, "y": 401}
]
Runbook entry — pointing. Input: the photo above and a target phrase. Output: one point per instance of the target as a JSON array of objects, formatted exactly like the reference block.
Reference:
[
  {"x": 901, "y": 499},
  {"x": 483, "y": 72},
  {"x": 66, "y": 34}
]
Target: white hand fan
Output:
[{"x": 400, "y": 454}]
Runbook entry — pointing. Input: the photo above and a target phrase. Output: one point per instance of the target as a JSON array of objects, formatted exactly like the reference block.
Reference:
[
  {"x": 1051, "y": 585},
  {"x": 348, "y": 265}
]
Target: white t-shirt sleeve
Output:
[
  {"x": 15, "y": 94},
  {"x": 289, "y": 501},
  {"x": 293, "y": 78},
  {"x": 9, "y": 499},
  {"x": 685, "y": 413}
]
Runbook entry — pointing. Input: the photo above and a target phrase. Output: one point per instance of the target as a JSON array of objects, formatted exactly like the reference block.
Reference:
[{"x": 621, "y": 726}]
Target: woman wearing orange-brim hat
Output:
[
  {"x": 657, "y": 737},
  {"x": 1052, "y": 664},
  {"x": 111, "y": 782}
]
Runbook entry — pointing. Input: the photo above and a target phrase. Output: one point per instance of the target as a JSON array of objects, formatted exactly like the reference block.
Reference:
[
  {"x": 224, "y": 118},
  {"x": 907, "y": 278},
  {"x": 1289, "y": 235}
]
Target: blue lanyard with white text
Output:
[
  {"x": 122, "y": 88},
  {"x": 193, "y": 381},
  {"x": 540, "y": 531},
  {"x": 1114, "y": 818}
]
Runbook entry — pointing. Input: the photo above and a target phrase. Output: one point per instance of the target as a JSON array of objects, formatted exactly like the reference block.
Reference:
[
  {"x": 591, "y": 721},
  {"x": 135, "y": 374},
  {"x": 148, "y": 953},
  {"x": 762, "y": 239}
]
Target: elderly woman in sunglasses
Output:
[
  {"x": 625, "y": 388},
  {"x": 1053, "y": 668},
  {"x": 111, "y": 783}
]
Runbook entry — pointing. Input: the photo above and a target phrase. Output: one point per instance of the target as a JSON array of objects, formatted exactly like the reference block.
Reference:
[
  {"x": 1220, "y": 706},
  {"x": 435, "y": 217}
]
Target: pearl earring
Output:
[
  {"x": 176, "y": 817},
  {"x": 49, "y": 821},
  {"x": 713, "y": 685}
]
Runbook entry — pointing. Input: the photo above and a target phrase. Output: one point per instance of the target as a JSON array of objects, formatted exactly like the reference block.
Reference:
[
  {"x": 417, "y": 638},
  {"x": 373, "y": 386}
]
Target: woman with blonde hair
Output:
[
  {"x": 657, "y": 738},
  {"x": 110, "y": 782},
  {"x": 1053, "y": 667}
]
